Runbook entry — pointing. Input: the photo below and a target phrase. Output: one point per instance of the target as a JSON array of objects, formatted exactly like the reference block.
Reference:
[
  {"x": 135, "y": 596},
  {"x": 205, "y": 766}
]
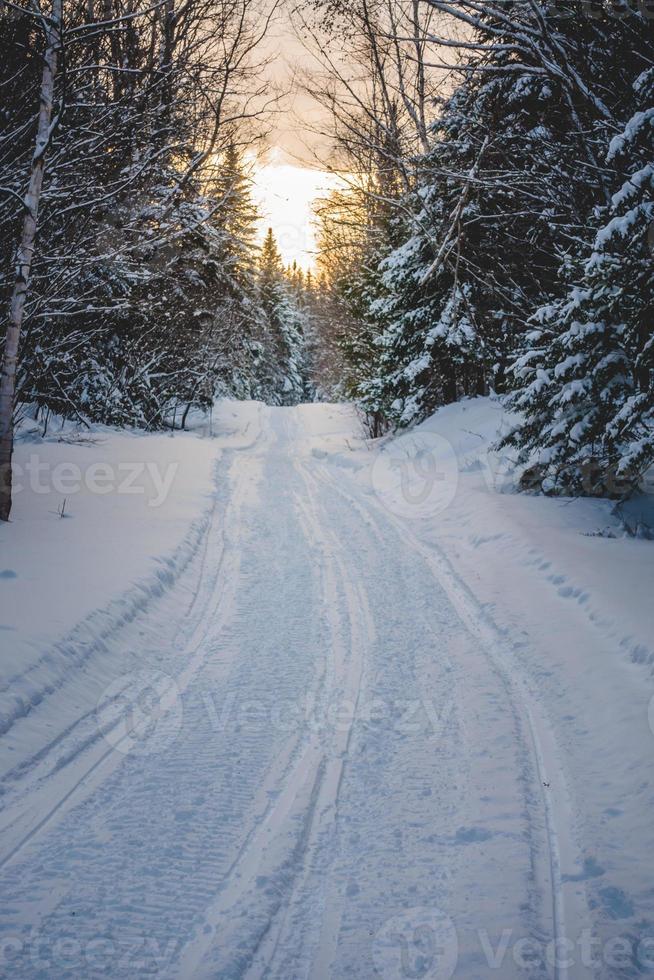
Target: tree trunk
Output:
[
  {"x": 24, "y": 256},
  {"x": 450, "y": 390}
]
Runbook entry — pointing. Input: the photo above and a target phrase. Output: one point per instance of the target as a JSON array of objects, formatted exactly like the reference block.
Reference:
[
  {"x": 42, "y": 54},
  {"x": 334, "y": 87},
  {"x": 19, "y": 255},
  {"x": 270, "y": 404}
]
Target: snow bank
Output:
[
  {"x": 575, "y": 550},
  {"x": 104, "y": 521},
  {"x": 567, "y": 593}
]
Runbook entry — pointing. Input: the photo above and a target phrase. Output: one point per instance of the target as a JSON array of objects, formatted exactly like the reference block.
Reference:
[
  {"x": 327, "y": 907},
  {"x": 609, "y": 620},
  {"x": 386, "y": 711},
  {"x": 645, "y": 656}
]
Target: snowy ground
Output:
[{"x": 309, "y": 707}]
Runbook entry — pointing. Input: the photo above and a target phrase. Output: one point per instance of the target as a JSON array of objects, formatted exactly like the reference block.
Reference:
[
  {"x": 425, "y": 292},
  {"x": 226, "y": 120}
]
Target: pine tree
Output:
[
  {"x": 283, "y": 324},
  {"x": 237, "y": 215},
  {"x": 503, "y": 196},
  {"x": 587, "y": 386}
]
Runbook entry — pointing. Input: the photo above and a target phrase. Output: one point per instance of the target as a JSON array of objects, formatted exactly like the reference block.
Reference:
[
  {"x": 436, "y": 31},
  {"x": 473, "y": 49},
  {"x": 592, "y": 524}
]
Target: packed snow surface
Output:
[{"x": 306, "y": 705}]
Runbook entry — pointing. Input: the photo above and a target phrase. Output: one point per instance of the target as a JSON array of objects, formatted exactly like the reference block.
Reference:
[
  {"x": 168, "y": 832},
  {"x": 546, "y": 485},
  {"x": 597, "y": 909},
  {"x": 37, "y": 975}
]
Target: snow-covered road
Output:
[{"x": 328, "y": 763}]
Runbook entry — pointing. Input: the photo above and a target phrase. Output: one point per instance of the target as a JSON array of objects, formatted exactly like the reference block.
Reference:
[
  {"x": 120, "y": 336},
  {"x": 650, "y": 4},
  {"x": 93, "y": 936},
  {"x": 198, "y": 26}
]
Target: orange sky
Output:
[
  {"x": 286, "y": 181},
  {"x": 291, "y": 136}
]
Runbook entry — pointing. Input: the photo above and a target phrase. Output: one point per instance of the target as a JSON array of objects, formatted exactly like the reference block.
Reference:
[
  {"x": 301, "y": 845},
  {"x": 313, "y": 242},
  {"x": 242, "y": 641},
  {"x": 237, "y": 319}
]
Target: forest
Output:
[
  {"x": 326, "y": 489},
  {"x": 493, "y": 229}
]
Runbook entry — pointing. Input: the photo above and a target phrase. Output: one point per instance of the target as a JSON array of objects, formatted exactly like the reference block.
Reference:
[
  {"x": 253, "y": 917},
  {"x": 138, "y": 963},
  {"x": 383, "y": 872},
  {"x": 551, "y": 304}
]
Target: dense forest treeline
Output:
[
  {"x": 148, "y": 292},
  {"x": 131, "y": 282},
  {"x": 496, "y": 232},
  {"x": 492, "y": 230}
]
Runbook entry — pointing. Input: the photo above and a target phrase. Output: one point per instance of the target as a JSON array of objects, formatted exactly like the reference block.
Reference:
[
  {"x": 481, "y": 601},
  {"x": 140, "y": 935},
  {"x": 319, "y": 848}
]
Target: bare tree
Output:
[
  {"x": 52, "y": 25},
  {"x": 374, "y": 85},
  {"x": 151, "y": 93}
]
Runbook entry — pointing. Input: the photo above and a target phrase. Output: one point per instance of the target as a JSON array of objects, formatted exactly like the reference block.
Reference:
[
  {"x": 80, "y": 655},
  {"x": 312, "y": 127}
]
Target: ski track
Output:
[
  {"x": 570, "y": 913},
  {"x": 64, "y": 766},
  {"x": 357, "y": 741}
]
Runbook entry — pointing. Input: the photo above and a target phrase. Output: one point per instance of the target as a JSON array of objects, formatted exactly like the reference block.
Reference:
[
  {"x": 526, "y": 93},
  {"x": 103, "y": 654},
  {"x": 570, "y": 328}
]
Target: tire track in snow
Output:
[
  {"x": 201, "y": 777},
  {"x": 307, "y": 792},
  {"x": 94, "y": 761},
  {"x": 570, "y": 914},
  {"x": 303, "y": 936},
  {"x": 276, "y": 821},
  {"x": 347, "y": 681}
]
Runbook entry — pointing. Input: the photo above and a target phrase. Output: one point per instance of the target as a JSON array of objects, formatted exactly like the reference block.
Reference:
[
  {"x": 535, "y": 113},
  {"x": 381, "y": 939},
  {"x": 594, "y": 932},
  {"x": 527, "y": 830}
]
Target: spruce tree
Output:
[
  {"x": 587, "y": 385},
  {"x": 283, "y": 326},
  {"x": 501, "y": 202}
]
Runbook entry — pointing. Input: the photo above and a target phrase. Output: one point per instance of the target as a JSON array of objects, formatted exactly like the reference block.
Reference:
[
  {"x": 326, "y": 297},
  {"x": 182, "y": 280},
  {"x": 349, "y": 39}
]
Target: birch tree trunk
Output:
[{"x": 24, "y": 255}]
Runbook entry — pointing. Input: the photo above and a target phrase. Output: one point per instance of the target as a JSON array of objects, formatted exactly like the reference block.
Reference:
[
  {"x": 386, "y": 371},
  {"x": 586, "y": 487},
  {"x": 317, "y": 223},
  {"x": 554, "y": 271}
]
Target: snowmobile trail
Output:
[
  {"x": 77, "y": 759},
  {"x": 345, "y": 777},
  {"x": 570, "y": 914}
]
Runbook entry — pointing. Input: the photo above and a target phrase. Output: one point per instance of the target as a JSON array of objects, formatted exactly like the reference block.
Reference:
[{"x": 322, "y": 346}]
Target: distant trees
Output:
[
  {"x": 378, "y": 91},
  {"x": 284, "y": 324}
]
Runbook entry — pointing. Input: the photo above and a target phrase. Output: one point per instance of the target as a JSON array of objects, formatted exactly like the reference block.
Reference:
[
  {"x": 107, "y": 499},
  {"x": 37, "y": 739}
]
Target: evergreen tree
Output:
[
  {"x": 237, "y": 215},
  {"x": 502, "y": 196},
  {"x": 587, "y": 383},
  {"x": 283, "y": 324}
]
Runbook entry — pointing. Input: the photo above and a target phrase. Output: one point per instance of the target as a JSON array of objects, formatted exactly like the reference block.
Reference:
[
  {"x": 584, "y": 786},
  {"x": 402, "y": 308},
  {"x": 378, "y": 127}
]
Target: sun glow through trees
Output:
[{"x": 285, "y": 195}]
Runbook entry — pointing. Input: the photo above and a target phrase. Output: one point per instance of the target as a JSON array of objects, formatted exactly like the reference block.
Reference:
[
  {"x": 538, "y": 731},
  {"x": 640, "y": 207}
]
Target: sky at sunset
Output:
[
  {"x": 288, "y": 178},
  {"x": 284, "y": 193}
]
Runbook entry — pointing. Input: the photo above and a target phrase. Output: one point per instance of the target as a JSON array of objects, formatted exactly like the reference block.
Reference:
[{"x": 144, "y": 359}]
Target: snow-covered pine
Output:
[
  {"x": 283, "y": 326},
  {"x": 497, "y": 198},
  {"x": 499, "y": 212},
  {"x": 587, "y": 383}
]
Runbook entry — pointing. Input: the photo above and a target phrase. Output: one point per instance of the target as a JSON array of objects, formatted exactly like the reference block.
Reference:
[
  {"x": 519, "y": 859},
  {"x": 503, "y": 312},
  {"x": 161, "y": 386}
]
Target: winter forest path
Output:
[{"x": 345, "y": 775}]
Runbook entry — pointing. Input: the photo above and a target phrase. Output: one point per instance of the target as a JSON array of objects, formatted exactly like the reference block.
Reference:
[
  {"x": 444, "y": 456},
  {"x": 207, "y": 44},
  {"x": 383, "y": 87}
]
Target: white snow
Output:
[
  {"x": 632, "y": 130},
  {"x": 403, "y": 714},
  {"x": 135, "y": 508}
]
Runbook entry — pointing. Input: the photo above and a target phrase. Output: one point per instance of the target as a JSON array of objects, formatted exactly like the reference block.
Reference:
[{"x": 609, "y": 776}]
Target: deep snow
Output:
[{"x": 330, "y": 708}]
